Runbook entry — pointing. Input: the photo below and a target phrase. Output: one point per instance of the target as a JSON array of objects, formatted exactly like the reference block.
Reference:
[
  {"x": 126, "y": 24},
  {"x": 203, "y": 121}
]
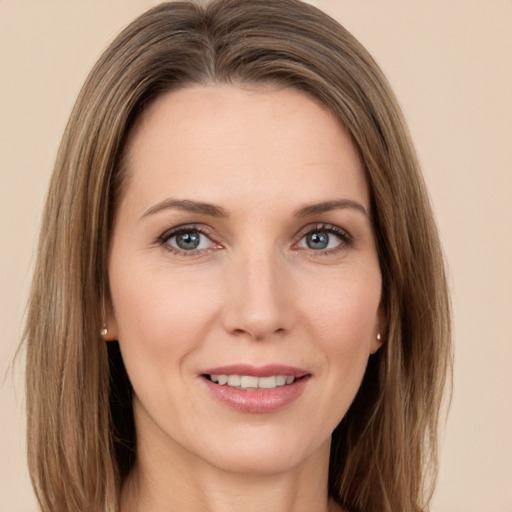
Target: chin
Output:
[{"x": 260, "y": 454}]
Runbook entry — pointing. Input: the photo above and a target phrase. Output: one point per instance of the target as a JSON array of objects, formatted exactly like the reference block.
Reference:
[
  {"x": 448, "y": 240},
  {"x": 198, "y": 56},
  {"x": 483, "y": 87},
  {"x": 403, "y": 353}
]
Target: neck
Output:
[{"x": 195, "y": 486}]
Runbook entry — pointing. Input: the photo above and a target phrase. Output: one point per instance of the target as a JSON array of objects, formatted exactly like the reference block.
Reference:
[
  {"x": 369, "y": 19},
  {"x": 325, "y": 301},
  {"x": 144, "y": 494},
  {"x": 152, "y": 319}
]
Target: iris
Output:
[
  {"x": 188, "y": 240},
  {"x": 317, "y": 240}
]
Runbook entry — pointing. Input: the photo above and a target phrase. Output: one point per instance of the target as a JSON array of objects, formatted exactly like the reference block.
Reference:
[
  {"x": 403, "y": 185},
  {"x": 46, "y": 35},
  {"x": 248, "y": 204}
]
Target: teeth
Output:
[
  {"x": 251, "y": 382},
  {"x": 267, "y": 382},
  {"x": 281, "y": 380},
  {"x": 234, "y": 380},
  {"x": 248, "y": 382}
]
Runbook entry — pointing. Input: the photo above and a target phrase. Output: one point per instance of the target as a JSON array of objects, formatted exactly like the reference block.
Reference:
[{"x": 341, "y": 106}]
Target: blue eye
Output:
[
  {"x": 324, "y": 238},
  {"x": 318, "y": 240},
  {"x": 187, "y": 240}
]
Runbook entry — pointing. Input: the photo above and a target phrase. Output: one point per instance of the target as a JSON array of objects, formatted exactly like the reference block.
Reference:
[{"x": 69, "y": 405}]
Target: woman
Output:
[{"x": 237, "y": 209}]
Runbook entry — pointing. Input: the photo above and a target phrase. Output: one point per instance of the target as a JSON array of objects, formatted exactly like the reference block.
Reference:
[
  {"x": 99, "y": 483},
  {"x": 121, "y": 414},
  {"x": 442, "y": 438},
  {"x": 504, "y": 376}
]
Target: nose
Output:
[{"x": 259, "y": 303}]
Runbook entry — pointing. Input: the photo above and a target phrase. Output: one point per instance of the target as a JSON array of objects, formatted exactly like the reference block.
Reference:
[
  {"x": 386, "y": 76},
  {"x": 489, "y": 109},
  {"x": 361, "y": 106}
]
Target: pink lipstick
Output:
[{"x": 255, "y": 389}]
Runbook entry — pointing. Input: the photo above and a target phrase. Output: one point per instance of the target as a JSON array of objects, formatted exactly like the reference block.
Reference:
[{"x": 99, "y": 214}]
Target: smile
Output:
[
  {"x": 256, "y": 389},
  {"x": 251, "y": 382}
]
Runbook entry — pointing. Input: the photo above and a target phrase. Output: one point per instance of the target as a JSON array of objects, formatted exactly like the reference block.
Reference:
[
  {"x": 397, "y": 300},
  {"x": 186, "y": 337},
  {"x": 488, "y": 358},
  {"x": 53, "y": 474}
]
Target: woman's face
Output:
[{"x": 243, "y": 259}]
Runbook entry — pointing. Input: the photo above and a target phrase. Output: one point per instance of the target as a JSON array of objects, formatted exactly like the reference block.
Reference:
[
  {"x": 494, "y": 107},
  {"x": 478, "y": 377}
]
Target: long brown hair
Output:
[{"x": 81, "y": 438}]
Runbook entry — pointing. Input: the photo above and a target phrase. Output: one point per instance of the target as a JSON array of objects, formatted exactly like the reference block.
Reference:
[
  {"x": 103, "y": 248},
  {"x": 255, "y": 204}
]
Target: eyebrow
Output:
[
  {"x": 187, "y": 206},
  {"x": 327, "y": 206},
  {"x": 211, "y": 210}
]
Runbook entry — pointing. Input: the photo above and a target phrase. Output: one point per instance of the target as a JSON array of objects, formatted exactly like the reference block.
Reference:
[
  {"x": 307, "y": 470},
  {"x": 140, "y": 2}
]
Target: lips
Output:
[{"x": 255, "y": 389}]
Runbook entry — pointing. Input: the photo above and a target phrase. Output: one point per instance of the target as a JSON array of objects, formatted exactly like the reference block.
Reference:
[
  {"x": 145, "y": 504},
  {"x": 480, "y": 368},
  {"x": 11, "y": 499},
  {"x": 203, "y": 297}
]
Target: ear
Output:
[
  {"x": 110, "y": 322},
  {"x": 380, "y": 329}
]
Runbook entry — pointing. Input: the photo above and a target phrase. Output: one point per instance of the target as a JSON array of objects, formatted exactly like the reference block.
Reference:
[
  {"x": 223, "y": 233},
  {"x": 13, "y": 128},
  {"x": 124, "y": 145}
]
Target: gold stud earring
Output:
[
  {"x": 378, "y": 336},
  {"x": 104, "y": 330}
]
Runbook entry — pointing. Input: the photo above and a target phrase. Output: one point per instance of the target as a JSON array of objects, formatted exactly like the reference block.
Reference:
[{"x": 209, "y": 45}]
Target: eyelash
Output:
[
  {"x": 192, "y": 228},
  {"x": 346, "y": 240}
]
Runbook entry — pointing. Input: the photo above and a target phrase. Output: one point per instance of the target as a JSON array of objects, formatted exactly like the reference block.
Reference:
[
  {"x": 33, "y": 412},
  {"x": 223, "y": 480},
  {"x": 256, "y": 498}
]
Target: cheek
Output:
[
  {"x": 161, "y": 317},
  {"x": 344, "y": 306},
  {"x": 344, "y": 320}
]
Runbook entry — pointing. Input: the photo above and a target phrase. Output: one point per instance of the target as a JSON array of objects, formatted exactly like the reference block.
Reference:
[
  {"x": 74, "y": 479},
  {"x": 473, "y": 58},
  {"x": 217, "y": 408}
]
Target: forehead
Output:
[{"x": 218, "y": 140}]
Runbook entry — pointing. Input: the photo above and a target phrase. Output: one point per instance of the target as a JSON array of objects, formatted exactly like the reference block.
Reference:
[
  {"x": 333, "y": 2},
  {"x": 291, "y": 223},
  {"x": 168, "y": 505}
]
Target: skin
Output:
[{"x": 253, "y": 292}]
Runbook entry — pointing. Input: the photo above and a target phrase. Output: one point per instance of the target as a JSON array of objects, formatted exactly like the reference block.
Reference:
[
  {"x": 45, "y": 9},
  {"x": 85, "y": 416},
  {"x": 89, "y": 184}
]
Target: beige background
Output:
[{"x": 450, "y": 63}]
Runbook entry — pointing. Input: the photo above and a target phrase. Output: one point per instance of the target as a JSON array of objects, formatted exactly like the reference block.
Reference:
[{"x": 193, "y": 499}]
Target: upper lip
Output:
[{"x": 257, "y": 371}]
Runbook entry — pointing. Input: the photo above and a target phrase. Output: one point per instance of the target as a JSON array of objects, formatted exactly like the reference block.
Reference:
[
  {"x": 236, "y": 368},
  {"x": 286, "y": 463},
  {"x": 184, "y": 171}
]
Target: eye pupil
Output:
[
  {"x": 317, "y": 240},
  {"x": 188, "y": 241}
]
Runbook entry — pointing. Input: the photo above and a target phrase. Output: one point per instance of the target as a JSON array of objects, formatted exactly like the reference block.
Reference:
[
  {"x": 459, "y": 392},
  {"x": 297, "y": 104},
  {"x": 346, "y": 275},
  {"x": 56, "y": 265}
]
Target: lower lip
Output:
[{"x": 257, "y": 400}]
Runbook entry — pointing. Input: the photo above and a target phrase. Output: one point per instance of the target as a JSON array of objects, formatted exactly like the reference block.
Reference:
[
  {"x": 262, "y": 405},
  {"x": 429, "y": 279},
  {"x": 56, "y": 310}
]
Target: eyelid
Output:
[
  {"x": 324, "y": 226},
  {"x": 346, "y": 238},
  {"x": 183, "y": 228}
]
